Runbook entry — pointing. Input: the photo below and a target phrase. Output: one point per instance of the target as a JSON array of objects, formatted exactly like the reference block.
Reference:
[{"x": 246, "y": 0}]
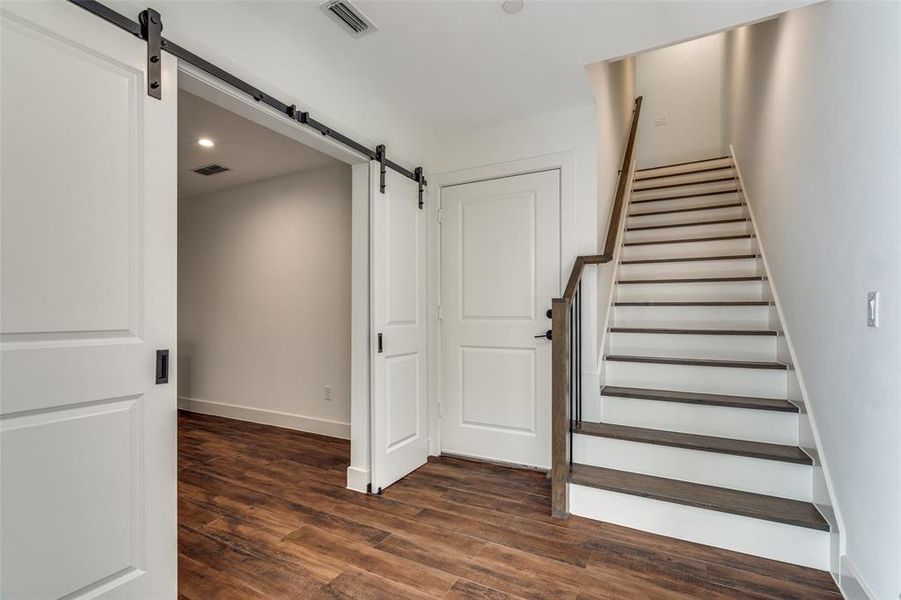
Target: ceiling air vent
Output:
[
  {"x": 349, "y": 17},
  {"x": 211, "y": 170}
]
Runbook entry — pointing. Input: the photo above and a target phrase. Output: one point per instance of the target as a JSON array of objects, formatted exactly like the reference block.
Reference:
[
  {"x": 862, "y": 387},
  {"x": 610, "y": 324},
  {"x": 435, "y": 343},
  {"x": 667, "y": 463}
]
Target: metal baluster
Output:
[{"x": 578, "y": 368}]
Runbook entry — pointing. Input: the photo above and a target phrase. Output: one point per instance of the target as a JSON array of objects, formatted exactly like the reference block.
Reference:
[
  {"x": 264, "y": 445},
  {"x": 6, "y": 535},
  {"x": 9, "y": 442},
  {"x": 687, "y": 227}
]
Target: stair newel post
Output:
[{"x": 560, "y": 405}]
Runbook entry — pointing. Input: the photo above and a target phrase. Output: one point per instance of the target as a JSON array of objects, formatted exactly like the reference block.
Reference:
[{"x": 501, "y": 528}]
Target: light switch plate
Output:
[
  {"x": 873, "y": 309},
  {"x": 659, "y": 121}
]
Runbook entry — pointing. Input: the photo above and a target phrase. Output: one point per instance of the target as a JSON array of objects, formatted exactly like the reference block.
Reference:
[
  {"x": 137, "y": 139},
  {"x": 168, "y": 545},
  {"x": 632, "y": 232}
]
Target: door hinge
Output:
[
  {"x": 152, "y": 33},
  {"x": 440, "y": 215},
  {"x": 440, "y": 410},
  {"x": 162, "y": 366},
  {"x": 440, "y": 312},
  {"x": 380, "y": 343}
]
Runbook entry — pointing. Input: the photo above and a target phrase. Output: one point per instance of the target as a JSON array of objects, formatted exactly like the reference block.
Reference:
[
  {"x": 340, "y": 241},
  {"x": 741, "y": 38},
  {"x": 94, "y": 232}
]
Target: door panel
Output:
[
  {"x": 87, "y": 258},
  {"x": 500, "y": 268},
  {"x": 399, "y": 417}
]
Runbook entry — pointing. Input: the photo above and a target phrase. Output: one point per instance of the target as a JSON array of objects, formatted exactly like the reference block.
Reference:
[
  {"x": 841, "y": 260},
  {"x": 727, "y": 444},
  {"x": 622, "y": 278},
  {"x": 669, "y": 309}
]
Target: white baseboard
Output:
[
  {"x": 267, "y": 417},
  {"x": 851, "y": 584},
  {"x": 358, "y": 479}
]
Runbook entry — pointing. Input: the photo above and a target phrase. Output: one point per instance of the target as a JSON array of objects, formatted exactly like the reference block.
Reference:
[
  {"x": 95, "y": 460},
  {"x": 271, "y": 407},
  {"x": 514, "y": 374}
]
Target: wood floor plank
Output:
[{"x": 265, "y": 513}]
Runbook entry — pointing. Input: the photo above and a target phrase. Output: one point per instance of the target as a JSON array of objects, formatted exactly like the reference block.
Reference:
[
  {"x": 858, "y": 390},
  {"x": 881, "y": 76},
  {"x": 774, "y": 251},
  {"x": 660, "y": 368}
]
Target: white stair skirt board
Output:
[
  {"x": 719, "y": 187},
  {"x": 733, "y": 267},
  {"x": 685, "y": 178},
  {"x": 715, "y": 163},
  {"x": 639, "y": 208},
  {"x": 751, "y": 317},
  {"x": 760, "y": 476},
  {"x": 763, "y": 383},
  {"x": 717, "y": 347},
  {"x": 700, "y": 291},
  {"x": 708, "y": 214},
  {"x": 691, "y": 249},
  {"x": 770, "y": 426},
  {"x": 689, "y": 230},
  {"x": 796, "y": 545}
]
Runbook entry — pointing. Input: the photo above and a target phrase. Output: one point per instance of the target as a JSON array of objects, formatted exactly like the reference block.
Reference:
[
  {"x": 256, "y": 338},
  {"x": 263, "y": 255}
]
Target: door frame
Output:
[
  {"x": 364, "y": 178},
  {"x": 565, "y": 162}
]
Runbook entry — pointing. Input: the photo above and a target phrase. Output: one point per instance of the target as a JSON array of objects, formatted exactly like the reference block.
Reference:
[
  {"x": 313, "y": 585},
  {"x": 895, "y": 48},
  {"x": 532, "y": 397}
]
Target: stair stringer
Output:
[{"x": 823, "y": 495}]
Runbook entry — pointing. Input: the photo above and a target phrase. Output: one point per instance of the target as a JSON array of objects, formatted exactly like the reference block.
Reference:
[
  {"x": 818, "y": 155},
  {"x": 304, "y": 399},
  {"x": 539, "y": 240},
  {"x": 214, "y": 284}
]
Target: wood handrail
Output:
[{"x": 561, "y": 321}]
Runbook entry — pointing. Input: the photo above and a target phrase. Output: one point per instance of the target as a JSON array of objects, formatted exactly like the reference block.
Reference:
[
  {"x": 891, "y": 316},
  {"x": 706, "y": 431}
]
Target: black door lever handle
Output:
[{"x": 546, "y": 334}]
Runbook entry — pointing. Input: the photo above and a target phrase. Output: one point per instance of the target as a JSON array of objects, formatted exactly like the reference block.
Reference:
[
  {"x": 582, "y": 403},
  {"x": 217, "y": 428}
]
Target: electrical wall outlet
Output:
[
  {"x": 873, "y": 309},
  {"x": 328, "y": 393}
]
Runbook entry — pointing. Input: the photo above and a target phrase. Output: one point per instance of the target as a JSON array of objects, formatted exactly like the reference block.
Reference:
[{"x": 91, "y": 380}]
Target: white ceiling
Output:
[
  {"x": 438, "y": 65},
  {"x": 251, "y": 152}
]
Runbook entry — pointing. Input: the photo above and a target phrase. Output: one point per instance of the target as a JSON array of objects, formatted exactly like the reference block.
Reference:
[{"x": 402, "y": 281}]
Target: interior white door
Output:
[
  {"x": 500, "y": 256},
  {"x": 399, "y": 333},
  {"x": 88, "y": 271}
]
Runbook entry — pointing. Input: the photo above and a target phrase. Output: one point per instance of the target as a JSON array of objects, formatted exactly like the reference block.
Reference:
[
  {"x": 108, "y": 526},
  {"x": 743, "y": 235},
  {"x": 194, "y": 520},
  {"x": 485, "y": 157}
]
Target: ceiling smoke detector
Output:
[
  {"x": 211, "y": 170},
  {"x": 348, "y": 17},
  {"x": 511, "y": 7}
]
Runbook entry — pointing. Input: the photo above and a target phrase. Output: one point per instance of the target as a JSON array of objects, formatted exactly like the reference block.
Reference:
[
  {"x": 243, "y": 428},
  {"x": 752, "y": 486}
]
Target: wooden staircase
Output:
[{"x": 697, "y": 440}]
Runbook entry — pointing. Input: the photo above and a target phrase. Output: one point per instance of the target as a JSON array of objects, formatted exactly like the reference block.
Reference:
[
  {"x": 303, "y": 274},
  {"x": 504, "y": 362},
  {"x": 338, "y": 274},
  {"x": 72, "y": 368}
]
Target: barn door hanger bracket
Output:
[
  {"x": 152, "y": 33},
  {"x": 420, "y": 182},
  {"x": 380, "y": 156}
]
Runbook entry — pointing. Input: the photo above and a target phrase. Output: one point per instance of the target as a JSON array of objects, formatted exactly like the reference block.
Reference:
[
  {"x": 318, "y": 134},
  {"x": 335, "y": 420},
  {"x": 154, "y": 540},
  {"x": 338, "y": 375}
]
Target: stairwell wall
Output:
[{"x": 812, "y": 112}]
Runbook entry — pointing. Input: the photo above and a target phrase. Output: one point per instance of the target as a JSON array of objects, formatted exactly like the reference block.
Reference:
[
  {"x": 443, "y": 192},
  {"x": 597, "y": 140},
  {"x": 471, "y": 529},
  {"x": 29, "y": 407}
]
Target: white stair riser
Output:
[
  {"x": 734, "y": 381},
  {"x": 686, "y": 191},
  {"x": 742, "y": 267},
  {"x": 704, "y": 291},
  {"x": 724, "y": 347},
  {"x": 688, "y": 232},
  {"x": 638, "y": 208},
  {"x": 774, "y": 427},
  {"x": 685, "y": 178},
  {"x": 767, "y": 477},
  {"x": 777, "y": 541},
  {"x": 756, "y": 317},
  {"x": 712, "y": 214},
  {"x": 717, "y": 163},
  {"x": 745, "y": 245}
]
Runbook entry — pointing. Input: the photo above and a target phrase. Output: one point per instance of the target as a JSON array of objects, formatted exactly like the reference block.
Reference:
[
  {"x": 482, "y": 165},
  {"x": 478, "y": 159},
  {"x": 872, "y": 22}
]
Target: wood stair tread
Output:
[
  {"x": 774, "y": 404},
  {"x": 696, "y": 303},
  {"x": 691, "y": 441},
  {"x": 696, "y": 195},
  {"x": 693, "y": 280},
  {"x": 648, "y": 261},
  {"x": 673, "y": 185},
  {"x": 747, "y": 504},
  {"x": 686, "y": 240},
  {"x": 682, "y": 210},
  {"x": 681, "y": 164},
  {"x": 676, "y": 331},
  {"x": 692, "y": 224},
  {"x": 700, "y": 362}
]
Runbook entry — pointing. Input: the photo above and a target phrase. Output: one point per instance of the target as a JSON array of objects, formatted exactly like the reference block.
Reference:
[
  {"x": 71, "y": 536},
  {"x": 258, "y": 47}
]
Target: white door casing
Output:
[
  {"x": 88, "y": 211},
  {"x": 500, "y": 268},
  {"x": 399, "y": 314}
]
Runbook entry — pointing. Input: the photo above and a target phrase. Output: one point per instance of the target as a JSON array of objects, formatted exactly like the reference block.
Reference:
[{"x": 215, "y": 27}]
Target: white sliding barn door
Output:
[
  {"x": 399, "y": 410},
  {"x": 87, "y": 270},
  {"x": 500, "y": 267}
]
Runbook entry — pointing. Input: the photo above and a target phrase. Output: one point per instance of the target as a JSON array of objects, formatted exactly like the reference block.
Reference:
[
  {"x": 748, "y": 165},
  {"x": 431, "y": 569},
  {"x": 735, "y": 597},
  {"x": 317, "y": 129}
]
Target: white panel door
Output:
[
  {"x": 87, "y": 271},
  {"x": 400, "y": 416},
  {"x": 500, "y": 257}
]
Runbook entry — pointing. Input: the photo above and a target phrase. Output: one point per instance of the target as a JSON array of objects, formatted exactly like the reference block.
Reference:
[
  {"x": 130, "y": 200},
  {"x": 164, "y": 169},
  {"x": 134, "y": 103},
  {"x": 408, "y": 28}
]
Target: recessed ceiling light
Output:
[
  {"x": 511, "y": 7},
  {"x": 206, "y": 142}
]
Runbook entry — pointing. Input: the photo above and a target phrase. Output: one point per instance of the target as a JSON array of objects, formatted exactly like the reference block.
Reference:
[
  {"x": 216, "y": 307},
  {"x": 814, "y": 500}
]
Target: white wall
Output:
[
  {"x": 684, "y": 85},
  {"x": 613, "y": 85},
  {"x": 812, "y": 103},
  {"x": 264, "y": 303}
]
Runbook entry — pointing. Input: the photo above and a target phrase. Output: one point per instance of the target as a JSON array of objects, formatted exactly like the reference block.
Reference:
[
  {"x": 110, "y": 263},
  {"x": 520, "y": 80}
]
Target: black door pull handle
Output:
[{"x": 546, "y": 334}]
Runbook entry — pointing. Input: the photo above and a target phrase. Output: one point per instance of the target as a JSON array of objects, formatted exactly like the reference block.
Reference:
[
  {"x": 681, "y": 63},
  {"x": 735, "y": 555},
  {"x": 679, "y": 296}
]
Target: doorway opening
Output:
[{"x": 264, "y": 319}]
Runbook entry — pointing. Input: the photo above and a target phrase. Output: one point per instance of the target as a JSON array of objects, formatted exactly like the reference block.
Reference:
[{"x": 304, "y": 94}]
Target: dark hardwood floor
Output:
[{"x": 263, "y": 513}]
